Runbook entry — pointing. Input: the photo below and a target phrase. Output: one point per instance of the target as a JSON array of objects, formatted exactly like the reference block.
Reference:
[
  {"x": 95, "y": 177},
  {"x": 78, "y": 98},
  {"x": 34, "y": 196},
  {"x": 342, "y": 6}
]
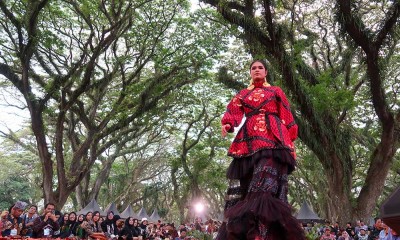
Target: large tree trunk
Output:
[
  {"x": 381, "y": 160},
  {"x": 180, "y": 198},
  {"x": 338, "y": 192},
  {"x": 44, "y": 156}
]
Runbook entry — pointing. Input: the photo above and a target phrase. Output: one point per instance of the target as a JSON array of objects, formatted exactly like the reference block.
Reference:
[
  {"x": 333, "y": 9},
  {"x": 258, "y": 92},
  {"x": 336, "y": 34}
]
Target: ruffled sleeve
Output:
[
  {"x": 234, "y": 113},
  {"x": 286, "y": 115}
]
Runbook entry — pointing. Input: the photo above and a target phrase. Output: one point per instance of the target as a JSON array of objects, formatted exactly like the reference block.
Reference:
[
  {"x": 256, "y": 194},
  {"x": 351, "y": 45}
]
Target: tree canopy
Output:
[
  {"x": 125, "y": 98},
  {"x": 339, "y": 71}
]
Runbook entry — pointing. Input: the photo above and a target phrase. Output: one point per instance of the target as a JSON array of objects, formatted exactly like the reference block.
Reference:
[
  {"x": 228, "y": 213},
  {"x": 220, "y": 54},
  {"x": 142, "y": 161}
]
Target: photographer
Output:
[
  {"x": 14, "y": 217},
  {"x": 45, "y": 225},
  {"x": 4, "y": 223}
]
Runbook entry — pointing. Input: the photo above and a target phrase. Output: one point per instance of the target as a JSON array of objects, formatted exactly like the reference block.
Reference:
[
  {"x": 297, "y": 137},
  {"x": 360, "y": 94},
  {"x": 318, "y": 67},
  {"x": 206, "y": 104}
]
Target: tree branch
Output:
[
  {"x": 353, "y": 25},
  {"x": 389, "y": 24}
]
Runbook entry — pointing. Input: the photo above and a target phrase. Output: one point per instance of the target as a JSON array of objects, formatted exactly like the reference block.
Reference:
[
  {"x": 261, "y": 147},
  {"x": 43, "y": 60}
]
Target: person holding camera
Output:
[
  {"x": 45, "y": 225},
  {"x": 14, "y": 217}
]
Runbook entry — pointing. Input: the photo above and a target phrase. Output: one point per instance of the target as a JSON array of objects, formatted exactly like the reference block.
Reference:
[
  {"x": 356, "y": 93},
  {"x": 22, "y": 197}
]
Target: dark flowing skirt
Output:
[{"x": 256, "y": 205}]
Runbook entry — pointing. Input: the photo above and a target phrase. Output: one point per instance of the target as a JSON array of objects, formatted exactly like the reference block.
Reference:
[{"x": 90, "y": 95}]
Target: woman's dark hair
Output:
[
  {"x": 127, "y": 221},
  {"x": 260, "y": 61},
  {"x": 9, "y": 209},
  {"x": 94, "y": 214},
  {"x": 72, "y": 213},
  {"x": 83, "y": 216}
]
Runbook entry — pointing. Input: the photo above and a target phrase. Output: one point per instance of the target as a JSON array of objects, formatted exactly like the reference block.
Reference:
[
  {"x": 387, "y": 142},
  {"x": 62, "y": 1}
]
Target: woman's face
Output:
[
  {"x": 96, "y": 217},
  {"x": 258, "y": 71},
  {"x": 66, "y": 217},
  {"x": 110, "y": 216},
  {"x": 72, "y": 217},
  {"x": 131, "y": 221},
  {"x": 135, "y": 223},
  {"x": 89, "y": 216},
  {"x": 80, "y": 218}
]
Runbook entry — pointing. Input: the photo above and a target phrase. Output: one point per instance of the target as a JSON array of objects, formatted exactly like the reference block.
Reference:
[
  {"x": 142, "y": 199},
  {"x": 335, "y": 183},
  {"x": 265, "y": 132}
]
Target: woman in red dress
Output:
[{"x": 263, "y": 155}]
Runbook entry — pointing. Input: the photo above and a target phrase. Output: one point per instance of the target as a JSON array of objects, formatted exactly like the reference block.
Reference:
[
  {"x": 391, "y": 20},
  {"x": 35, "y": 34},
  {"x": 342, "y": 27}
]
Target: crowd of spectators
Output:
[
  {"x": 54, "y": 224},
  {"x": 328, "y": 231}
]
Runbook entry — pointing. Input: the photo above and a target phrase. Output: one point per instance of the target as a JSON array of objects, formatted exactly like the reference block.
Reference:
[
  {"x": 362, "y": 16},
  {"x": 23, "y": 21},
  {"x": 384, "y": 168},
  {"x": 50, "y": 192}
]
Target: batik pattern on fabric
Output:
[{"x": 269, "y": 122}]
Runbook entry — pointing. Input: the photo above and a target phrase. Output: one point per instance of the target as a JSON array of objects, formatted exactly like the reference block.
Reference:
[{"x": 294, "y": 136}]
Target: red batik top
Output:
[{"x": 269, "y": 122}]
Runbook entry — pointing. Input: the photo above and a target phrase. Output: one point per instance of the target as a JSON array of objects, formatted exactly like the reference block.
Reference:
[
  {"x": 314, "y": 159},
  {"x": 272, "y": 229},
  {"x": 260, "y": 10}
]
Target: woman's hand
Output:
[{"x": 224, "y": 130}]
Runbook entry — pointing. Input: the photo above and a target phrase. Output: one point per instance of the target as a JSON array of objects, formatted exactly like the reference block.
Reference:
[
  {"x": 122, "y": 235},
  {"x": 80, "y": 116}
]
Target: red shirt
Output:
[{"x": 269, "y": 122}]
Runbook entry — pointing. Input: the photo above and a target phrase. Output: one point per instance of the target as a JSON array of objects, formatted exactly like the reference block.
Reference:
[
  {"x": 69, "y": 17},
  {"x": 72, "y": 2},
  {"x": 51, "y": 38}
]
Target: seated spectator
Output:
[
  {"x": 4, "y": 223},
  {"x": 171, "y": 231},
  {"x": 80, "y": 231},
  {"x": 28, "y": 219},
  {"x": 120, "y": 225},
  {"x": 211, "y": 226},
  {"x": 93, "y": 228},
  {"x": 158, "y": 234},
  {"x": 143, "y": 227},
  {"x": 362, "y": 235},
  {"x": 109, "y": 225},
  {"x": 395, "y": 236},
  {"x": 345, "y": 236},
  {"x": 69, "y": 229},
  {"x": 198, "y": 224},
  {"x": 357, "y": 227},
  {"x": 60, "y": 221},
  {"x": 363, "y": 226},
  {"x": 64, "y": 220},
  {"x": 183, "y": 234},
  {"x": 130, "y": 230},
  {"x": 376, "y": 229},
  {"x": 89, "y": 216},
  {"x": 350, "y": 230},
  {"x": 47, "y": 224},
  {"x": 101, "y": 220},
  {"x": 385, "y": 232},
  {"x": 14, "y": 217},
  {"x": 307, "y": 228},
  {"x": 335, "y": 229},
  {"x": 181, "y": 227},
  {"x": 328, "y": 235}
]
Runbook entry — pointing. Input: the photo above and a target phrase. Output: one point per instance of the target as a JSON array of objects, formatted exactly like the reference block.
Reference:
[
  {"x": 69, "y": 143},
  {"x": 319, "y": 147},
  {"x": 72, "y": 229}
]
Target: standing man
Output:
[
  {"x": 45, "y": 225},
  {"x": 15, "y": 218}
]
